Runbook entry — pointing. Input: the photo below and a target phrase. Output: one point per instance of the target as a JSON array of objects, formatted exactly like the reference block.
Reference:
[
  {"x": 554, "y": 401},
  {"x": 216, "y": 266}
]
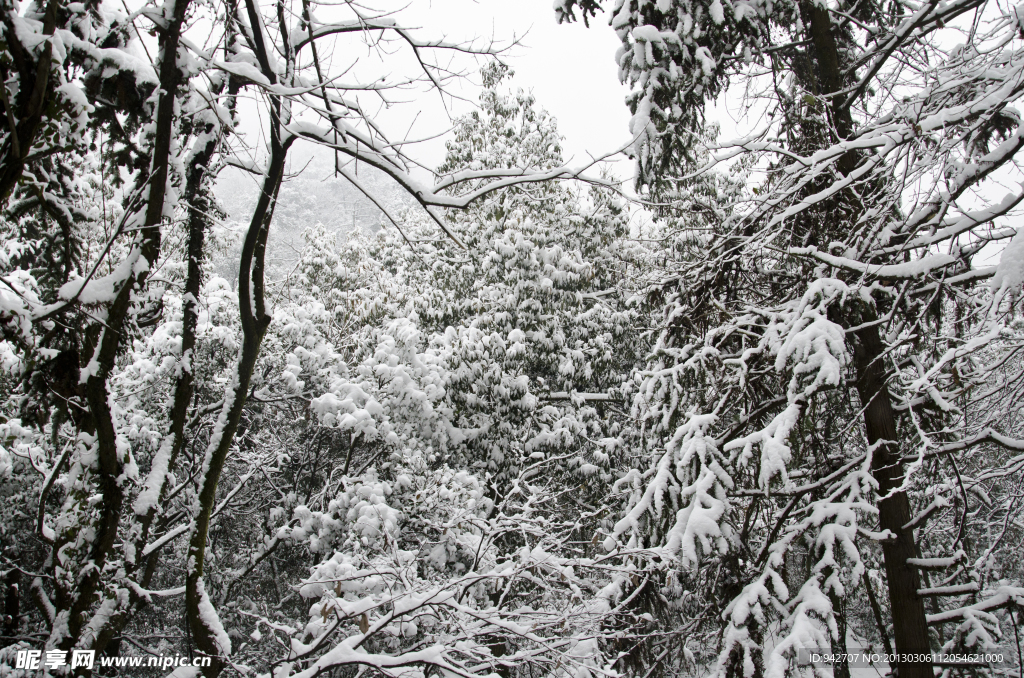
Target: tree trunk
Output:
[
  {"x": 255, "y": 321},
  {"x": 33, "y": 99},
  {"x": 104, "y": 342},
  {"x": 838, "y": 647},
  {"x": 12, "y": 600},
  {"x": 910, "y": 627}
]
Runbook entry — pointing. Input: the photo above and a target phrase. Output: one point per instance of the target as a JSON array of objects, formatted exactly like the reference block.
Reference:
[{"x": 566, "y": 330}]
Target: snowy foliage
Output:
[
  {"x": 823, "y": 381},
  {"x": 515, "y": 426}
]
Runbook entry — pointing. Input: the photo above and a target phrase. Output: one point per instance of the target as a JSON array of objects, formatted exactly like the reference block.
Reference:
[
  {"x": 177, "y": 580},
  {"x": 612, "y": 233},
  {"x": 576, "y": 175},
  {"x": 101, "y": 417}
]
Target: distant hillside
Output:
[{"x": 312, "y": 194}]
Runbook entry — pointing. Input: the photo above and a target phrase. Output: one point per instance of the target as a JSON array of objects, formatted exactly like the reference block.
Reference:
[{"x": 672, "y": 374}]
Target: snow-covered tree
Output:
[
  {"x": 107, "y": 309},
  {"x": 811, "y": 402},
  {"x": 476, "y": 387},
  {"x": 512, "y": 431}
]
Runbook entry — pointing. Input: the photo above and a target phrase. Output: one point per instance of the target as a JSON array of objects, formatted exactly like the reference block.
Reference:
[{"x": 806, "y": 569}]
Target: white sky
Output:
[{"x": 570, "y": 69}]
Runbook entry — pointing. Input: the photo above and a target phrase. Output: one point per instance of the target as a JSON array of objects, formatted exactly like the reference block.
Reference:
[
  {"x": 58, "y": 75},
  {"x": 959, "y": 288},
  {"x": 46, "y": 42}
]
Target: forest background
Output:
[{"x": 281, "y": 391}]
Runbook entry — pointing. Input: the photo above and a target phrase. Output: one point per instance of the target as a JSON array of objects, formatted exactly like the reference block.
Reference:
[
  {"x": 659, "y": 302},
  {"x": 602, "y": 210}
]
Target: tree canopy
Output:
[{"x": 504, "y": 417}]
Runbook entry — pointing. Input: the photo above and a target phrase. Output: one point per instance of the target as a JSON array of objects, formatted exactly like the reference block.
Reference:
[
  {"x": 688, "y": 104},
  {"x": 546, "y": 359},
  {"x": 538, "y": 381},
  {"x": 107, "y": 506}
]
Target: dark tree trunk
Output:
[
  {"x": 12, "y": 602},
  {"x": 839, "y": 669},
  {"x": 910, "y": 627},
  {"x": 26, "y": 114},
  {"x": 255, "y": 320}
]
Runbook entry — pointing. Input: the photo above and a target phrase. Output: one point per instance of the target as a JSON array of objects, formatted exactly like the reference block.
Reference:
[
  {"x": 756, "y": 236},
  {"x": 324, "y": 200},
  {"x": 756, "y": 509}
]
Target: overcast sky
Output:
[{"x": 570, "y": 69}]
